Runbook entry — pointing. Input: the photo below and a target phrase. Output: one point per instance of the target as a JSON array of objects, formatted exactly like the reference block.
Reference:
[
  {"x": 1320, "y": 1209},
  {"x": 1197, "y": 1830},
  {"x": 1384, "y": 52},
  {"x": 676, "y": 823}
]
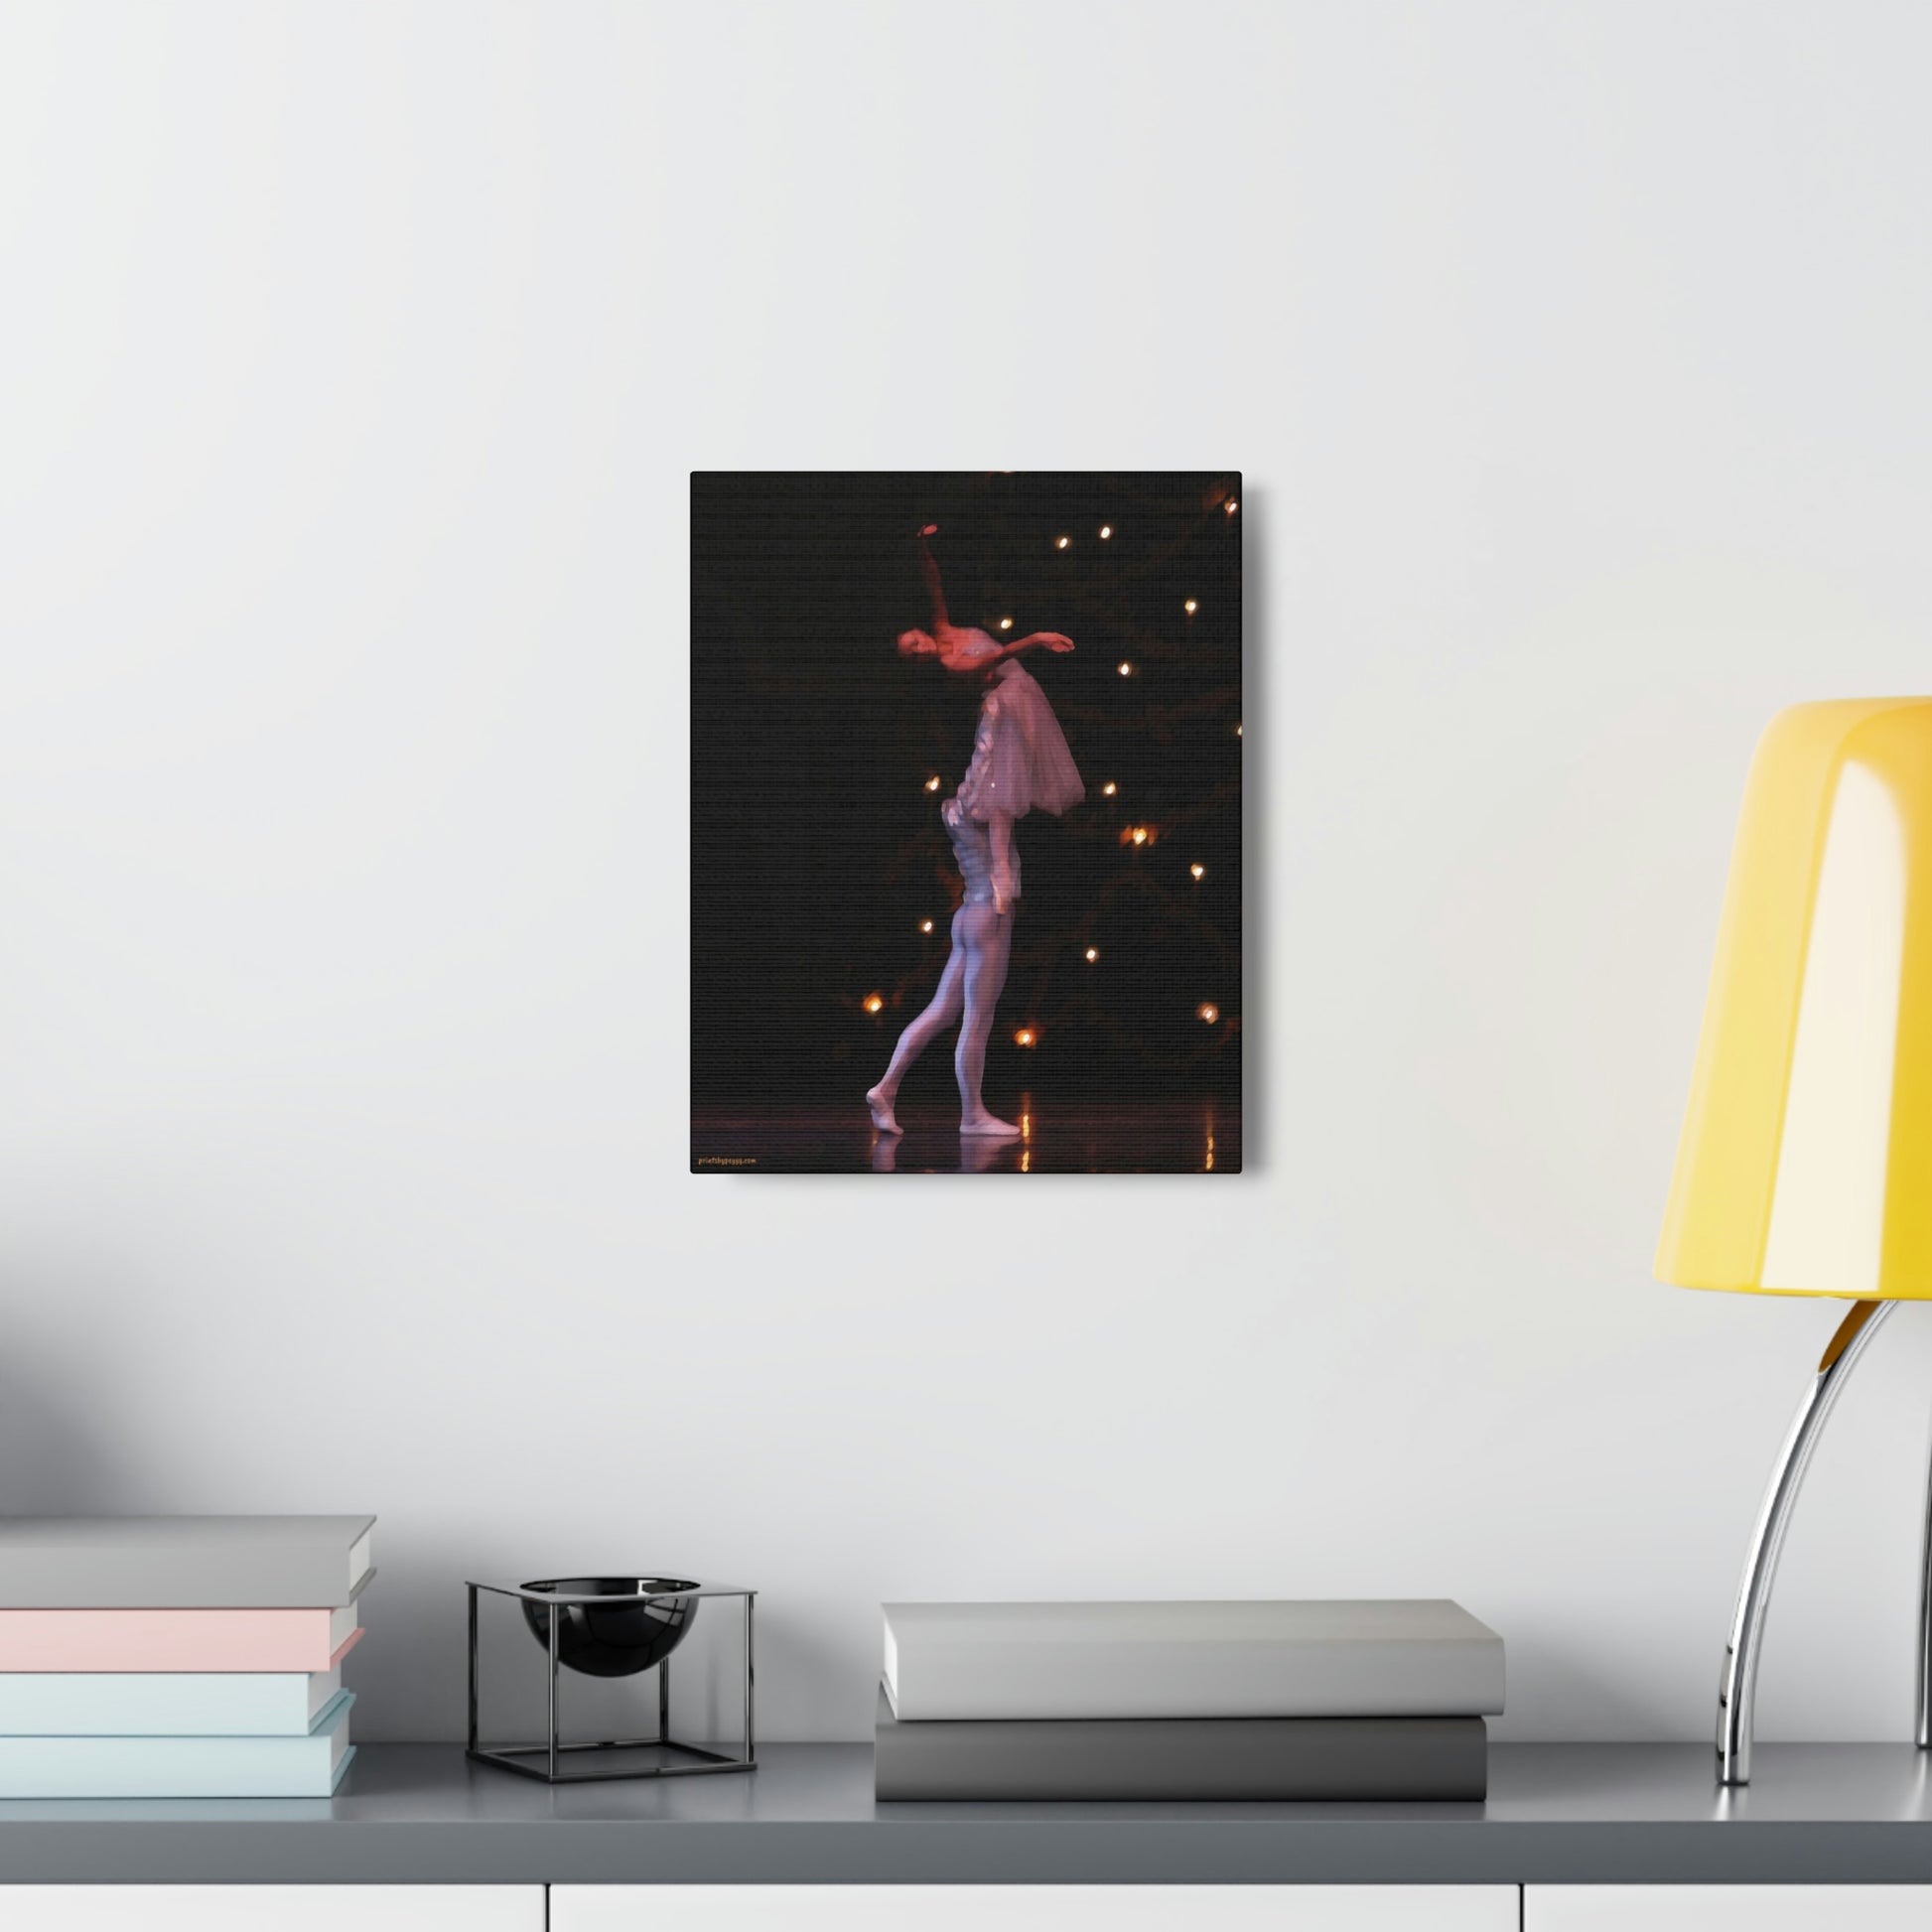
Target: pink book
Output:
[{"x": 177, "y": 1640}]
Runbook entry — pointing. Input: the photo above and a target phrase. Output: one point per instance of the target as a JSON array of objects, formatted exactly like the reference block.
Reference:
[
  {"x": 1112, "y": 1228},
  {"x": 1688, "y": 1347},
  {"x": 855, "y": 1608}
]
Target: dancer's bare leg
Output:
[
  {"x": 988, "y": 939},
  {"x": 941, "y": 1010}
]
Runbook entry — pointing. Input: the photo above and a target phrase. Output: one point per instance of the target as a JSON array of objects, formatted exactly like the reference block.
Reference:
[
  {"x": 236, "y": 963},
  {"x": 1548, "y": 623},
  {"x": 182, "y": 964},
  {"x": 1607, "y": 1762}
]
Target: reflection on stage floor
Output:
[{"x": 1186, "y": 1136}]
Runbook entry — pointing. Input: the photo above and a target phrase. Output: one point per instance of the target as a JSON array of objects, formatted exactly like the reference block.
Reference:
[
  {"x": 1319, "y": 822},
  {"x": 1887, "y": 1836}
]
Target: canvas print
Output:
[{"x": 966, "y": 822}]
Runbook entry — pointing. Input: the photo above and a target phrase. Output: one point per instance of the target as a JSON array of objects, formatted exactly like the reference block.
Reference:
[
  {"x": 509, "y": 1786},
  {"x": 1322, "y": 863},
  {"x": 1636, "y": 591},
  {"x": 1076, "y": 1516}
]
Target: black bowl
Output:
[{"x": 612, "y": 1639}]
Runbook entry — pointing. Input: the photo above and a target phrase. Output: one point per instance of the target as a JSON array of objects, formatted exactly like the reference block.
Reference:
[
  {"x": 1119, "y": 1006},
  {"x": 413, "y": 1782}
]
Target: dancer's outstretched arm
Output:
[
  {"x": 916, "y": 644},
  {"x": 1037, "y": 640},
  {"x": 929, "y": 570}
]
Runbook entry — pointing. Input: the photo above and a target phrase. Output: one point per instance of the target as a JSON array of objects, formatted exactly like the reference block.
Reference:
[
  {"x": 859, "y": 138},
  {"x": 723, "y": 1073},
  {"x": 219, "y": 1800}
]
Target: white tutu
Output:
[{"x": 1021, "y": 763}]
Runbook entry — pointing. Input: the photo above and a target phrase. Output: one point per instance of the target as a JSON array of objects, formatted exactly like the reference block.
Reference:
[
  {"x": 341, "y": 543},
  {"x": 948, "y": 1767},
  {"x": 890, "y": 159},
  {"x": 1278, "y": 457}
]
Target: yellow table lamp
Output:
[{"x": 1805, "y": 1165}]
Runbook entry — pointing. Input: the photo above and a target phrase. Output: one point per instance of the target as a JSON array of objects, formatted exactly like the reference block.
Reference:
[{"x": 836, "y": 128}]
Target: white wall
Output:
[{"x": 352, "y": 364}]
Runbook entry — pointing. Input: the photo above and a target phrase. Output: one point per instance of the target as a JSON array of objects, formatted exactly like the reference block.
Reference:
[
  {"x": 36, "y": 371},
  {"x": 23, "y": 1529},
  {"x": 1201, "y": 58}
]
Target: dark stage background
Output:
[{"x": 816, "y": 848}]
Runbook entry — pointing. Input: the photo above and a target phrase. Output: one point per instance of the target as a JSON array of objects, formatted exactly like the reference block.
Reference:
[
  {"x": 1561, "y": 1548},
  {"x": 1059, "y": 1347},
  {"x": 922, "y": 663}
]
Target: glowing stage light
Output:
[
  {"x": 1126, "y": 669},
  {"x": 925, "y": 926},
  {"x": 1026, "y": 1037},
  {"x": 1108, "y": 789},
  {"x": 932, "y": 783},
  {"x": 1093, "y": 953},
  {"x": 1198, "y": 871},
  {"x": 1190, "y": 606},
  {"x": 1006, "y": 624},
  {"x": 1232, "y": 506},
  {"x": 1106, "y": 530},
  {"x": 874, "y": 1003},
  {"x": 1060, "y": 543},
  {"x": 1207, "y": 1011}
]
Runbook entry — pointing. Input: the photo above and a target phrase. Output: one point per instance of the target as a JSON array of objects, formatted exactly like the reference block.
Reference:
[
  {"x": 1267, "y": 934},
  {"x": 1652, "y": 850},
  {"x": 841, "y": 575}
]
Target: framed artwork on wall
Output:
[{"x": 966, "y": 822}]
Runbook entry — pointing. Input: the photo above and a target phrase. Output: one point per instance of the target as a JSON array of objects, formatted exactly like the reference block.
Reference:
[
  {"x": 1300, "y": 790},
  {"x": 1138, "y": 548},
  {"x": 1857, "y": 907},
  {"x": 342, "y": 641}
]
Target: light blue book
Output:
[
  {"x": 309, "y": 1767},
  {"x": 165, "y": 1703}
]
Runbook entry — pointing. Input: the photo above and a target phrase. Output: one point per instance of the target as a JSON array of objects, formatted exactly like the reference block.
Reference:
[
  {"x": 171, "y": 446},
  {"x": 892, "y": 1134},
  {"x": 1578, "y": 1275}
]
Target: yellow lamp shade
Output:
[{"x": 1805, "y": 1165}]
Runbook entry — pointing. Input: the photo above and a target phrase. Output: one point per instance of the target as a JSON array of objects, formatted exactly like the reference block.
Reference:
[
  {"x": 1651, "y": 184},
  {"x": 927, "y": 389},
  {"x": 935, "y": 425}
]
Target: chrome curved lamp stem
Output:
[
  {"x": 1925, "y": 1731},
  {"x": 1738, "y": 1694}
]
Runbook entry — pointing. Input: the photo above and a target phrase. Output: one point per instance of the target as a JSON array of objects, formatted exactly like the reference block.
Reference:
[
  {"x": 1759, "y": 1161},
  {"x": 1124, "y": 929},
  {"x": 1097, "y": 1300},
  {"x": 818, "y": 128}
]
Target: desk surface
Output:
[{"x": 1555, "y": 1814}]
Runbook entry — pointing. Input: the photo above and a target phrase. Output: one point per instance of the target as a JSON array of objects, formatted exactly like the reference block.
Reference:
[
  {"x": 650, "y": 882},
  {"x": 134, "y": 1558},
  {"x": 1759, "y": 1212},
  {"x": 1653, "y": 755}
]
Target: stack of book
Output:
[
  {"x": 176, "y": 1656},
  {"x": 1312, "y": 1701}
]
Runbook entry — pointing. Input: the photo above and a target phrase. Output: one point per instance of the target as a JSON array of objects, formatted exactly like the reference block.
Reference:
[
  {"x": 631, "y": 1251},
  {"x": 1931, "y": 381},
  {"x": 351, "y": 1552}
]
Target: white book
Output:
[
  {"x": 1404, "y": 1658},
  {"x": 164, "y": 1704}
]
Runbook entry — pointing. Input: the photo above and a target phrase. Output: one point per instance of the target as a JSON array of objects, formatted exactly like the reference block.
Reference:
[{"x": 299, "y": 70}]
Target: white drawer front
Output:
[
  {"x": 271, "y": 1909},
  {"x": 1034, "y": 1908},
  {"x": 1728, "y": 1908}
]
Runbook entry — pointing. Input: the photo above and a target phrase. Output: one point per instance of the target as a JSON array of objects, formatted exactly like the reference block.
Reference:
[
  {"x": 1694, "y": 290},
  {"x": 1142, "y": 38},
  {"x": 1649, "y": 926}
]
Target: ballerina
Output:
[{"x": 1019, "y": 764}]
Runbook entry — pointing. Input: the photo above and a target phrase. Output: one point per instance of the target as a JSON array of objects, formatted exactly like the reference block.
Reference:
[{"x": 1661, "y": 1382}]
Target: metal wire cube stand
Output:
[{"x": 555, "y": 1762}]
